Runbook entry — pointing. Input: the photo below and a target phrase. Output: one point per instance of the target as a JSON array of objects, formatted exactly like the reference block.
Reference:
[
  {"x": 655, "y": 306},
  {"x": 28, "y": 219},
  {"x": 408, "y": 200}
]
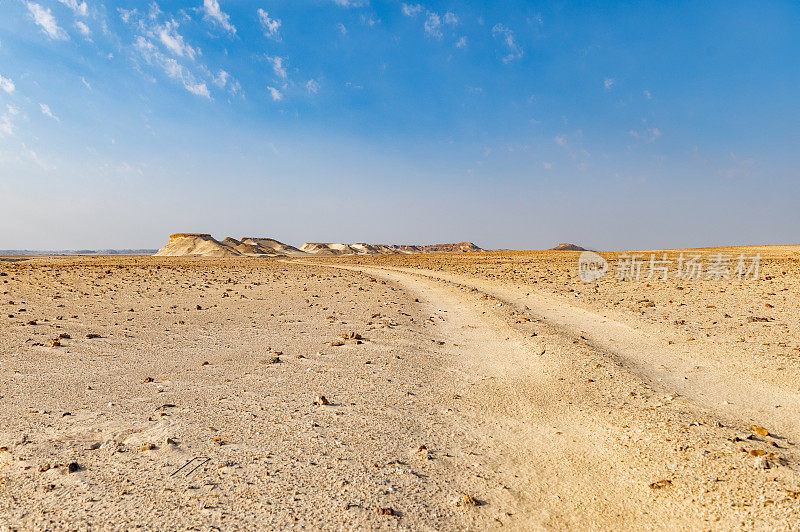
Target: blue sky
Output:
[{"x": 513, "y": 124}]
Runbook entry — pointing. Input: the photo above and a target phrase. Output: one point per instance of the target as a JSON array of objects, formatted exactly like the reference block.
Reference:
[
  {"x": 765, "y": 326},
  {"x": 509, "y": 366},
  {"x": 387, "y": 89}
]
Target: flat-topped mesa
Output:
[
  {"x": 189, "y": 235},
  {"x": 461, "y": 247},
  {"x": 195, "y": 244},
  {"x": 203, "y": 244}
]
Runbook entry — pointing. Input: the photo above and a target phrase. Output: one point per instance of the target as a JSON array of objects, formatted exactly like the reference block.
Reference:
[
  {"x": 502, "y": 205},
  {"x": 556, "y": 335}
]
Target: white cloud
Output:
[
  {"x": 6, "y": 127},
  {"x": 369, "y": 21},
  {"x": 213, "y": 12},
  {"x": 170, "y": 66},
  {"x": 411, "y": 10},
  {"x": 350, "y": 3},
  {"x": 277, "y": 66},
  {"x": 647, "y": 94},
  {"x": 461, "y": 43},
  {"x": 13, "y": 111},
  {"x": 80, "y": 9},
  {"x": 199, "y": 89},
  {"x": 561, "y": 140},
  {"x": 450, "y": 18},
  {"x": 126, "y": 14},
  {"x": 270, "y": 25},
  {"x": 432, "y": 25},
  {"x": 83, "y": 28},
  {"x": 47, "y": 112},
  {"x": 648, "y": 135},
  {"x": 174, "y": 42},
  {"x": 7, "y": 85},
  {"x": 45, "y": 19},
  {"x": 609, "y": 83},
  {"x": 312, "y": 86},
  {"x": 222, "y": 79},
  {"x": 342, "y": 28},
  {"x": 275, "y": 93},
  {"x": 86, "y": 83},
  {"x": 514, "y": 49}
]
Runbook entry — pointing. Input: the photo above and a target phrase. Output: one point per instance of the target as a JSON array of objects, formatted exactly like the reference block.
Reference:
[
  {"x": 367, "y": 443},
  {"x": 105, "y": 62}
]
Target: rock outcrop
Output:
[
  {"x": 195, "y": 244},
  {"x": 201, "y": 244},
  {"x": 567, "y": 247}
]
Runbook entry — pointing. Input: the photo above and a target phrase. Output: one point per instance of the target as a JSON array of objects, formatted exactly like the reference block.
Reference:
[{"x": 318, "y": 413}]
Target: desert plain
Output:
[{"x": 449, "y": 391}]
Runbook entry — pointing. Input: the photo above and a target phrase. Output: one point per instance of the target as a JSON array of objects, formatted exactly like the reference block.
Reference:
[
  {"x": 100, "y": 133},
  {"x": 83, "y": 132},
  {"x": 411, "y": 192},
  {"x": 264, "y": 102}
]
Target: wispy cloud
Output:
[
  {"x": 86, "y": 83},
  {"x": 350, "y": 3},
  {"x": 647, "y": 94},
  {"x": 221, "y": 79},
  {"x": 83, "y": 28},
  {"x": 609, "y": 83},
  {"x": 6, "y": 127},
  {"x": 514, "y": 49},
  {"x": 271, "y": 26},
  {"x": 213, "y": 12},
  {"x": 79, "y": 8},
  {"x": 561, "y": 140},
  {"x": 450, "y": 18},
  {"x": 7, "y": 85},
  {"x": 342, "y": 29},
  {"x": 433, "y": 23},
  {"x": 170, "y": 66},
  {"x": 411, "y": 10},
  {"x": 462, "y": 42},
  {"x": 127, "y": 14},
  {"x": 277, "y": 66},
  {"x": 45, "y": 19},
  {"x": 312, "y": 86},
  {"x": 275, "y": 93},
  {"x": 47, "y": 112},
  {"x": 649, "y": 135},
  {"x": 173, "y": 40}
]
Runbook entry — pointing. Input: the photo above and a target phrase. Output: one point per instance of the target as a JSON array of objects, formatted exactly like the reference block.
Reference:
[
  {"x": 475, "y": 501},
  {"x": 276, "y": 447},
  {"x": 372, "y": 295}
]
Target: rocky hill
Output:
[
  {"x": 204, "y": 245},
  {"x": 567, "y": 247}
]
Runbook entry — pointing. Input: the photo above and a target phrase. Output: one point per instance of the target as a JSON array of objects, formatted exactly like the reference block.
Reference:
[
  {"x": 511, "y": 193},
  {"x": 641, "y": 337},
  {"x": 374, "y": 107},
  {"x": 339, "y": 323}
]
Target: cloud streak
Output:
[
  {"x": 79, "y": 8},
  {"x": 213, "y": 12},
  {"x": 271, "y": 26},
  {"x": 44, "y": 18},
  {"x": 174, "y": 42},
  {"x": 170, "y": 66},
  {"x": 47, "y": 112},
  {"x": 7, "y": 85},
  {"x": 277, "y": 66},
  {"x": 515, "y": 51}
]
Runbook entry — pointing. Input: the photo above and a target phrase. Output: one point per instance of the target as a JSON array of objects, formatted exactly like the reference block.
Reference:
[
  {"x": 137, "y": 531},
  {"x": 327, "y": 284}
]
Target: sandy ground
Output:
[{"x": 490, "y": 390}]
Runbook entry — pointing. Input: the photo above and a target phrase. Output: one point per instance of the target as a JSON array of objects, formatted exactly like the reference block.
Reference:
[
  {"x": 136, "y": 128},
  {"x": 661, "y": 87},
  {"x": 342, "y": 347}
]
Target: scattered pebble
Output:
[{"x": 321, "y": 400}]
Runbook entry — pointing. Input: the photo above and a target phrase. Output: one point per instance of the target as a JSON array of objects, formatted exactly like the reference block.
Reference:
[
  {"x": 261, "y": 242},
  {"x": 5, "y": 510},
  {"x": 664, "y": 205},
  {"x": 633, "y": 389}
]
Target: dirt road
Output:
[{"x": 607, "y": 423}]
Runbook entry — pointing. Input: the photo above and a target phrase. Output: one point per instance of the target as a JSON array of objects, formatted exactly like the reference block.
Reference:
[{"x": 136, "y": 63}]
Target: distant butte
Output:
[
  {"x": 567, "y": 247},
  {"x": 205, "y": 245}
]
